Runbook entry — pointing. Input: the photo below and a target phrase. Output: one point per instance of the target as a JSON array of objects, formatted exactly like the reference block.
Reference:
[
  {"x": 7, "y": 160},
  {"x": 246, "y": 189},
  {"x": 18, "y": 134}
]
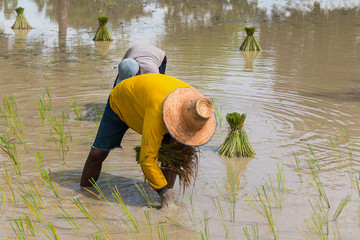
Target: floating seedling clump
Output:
[
  {"x": 236, "y": 143},
  {"x": 102, "y": 34},
  {"x": 250, "y": 43},
  {"x": 21, "y": 22},
  {"x": 180, "y": 158}
]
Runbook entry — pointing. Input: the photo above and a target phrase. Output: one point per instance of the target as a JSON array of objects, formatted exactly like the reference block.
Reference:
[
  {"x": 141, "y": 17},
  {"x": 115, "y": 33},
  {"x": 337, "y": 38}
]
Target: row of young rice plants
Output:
[{"x": 31, "y": 194}]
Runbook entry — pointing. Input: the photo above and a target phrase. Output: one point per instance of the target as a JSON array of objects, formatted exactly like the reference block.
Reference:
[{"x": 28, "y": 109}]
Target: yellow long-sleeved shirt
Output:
[{"x": 138, "y": 101}]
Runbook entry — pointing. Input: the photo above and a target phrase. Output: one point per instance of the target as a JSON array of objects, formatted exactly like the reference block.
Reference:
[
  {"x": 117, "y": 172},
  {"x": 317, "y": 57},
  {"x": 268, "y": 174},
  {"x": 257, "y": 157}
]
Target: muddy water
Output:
[{"x": 302, "y": 90}]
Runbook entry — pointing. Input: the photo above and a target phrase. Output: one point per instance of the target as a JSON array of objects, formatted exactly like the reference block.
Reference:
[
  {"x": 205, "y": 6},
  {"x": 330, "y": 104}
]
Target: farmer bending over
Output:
[
  {"x": 153, "y": 105},
  {"x": 149, "y": 58}
]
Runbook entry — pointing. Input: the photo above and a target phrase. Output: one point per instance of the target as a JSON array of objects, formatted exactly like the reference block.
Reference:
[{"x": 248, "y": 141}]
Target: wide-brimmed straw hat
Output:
[{"x": 189, "y": 116}]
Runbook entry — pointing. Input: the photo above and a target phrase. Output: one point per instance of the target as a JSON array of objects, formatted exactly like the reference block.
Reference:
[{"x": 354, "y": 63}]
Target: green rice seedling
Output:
[
  {"x": 275, "y": 195},
  {"x": 12, "y": 120},
  {"x": 318, "y": 185},
  {"x": 134, "y": 226},
  {"x": 334, "y": 150},
  {"x": 20, "y": 22},
  {"x": 44, "y": 105},
  {"x": 218, "y": 113},
  {"x": 104, "y": 230},
  {"x": 205, "y": 234},
  {"x": 3, "y": 200},
  {"x": 29, "y": 224},
  {"x": 32, "y": 205},
  {"x": 192, "y": 214},
  {"x": 89, "y": 212},
  {"x": 148, "y": 224},
  {"x": 102, "y": 34},
  {"x": 341, "y": 206},
  {"x": 98, "y": 115},
  {"x": 46, "y": 178},
  {"x": 7, "y": 179},
  {"x": 19, "y": 229},
  {"x": 32, "y": 192},
  {"x": 58, "y": 127},
  {"x": 357, "y": 182},
  {"x": 10, "y": 150},
  {"x": 176, "y": 223},
  {"x": 255, "y": 232},
  {"x": 281, "y": 177},
  {"x": 220, "y": 211},
  {"x": 318, "y": 224},
  {"x": 250, "y": 43},
  {"x": 96, "y": 236},
  {"x": 76, "y": 109},
  {"x": 77, "y": 203},
  {"x": 231, "y": 185},
  {"x": 161, "y": 232},
  {"x": 236, "y": 144},
  {"x": 313, "y": 158},
  {"x": 101, "y": 194},
  {"x": 148, "y": 199},
  {"x": 67, "y": 215},
  {"x": 264, "y": 209},
  {"x": 52, "y": 231},
  {"x": 232, "y": 189},
  {"x": 297, "y": 165}
]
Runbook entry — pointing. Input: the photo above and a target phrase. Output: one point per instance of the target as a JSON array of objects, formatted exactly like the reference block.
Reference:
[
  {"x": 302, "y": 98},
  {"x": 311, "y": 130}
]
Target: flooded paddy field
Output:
[{"x": 301, "y": 95}]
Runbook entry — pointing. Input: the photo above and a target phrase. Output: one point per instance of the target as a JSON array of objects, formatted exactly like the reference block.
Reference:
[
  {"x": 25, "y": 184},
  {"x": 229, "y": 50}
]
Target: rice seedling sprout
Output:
[
  {"x": 12, "y": 120},
  {"x": 341, "y": 206},
  {"x": 76, "y": 109},
  {"x": 318, "y": 185},
  {"x": 52, "y": 232},
  {"x": 146, "y": 196},
  {"x": 67, "y": 215},
  {"x": 161, "y": 232}
]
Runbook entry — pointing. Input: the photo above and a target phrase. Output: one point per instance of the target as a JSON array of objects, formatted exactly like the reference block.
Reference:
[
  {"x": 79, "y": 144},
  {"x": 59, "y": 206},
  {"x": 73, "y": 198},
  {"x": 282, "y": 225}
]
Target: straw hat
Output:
[{"x": 189, "y": 116}]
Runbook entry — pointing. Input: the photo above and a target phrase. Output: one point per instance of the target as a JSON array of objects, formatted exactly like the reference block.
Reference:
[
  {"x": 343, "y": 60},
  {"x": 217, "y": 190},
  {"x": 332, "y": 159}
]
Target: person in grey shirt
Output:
[{"x": 149, "y": 58}]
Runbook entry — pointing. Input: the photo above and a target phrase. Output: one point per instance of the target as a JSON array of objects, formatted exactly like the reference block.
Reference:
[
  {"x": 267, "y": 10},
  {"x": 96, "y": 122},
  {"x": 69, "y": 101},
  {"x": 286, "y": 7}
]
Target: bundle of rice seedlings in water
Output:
[
  {"x": 250, "y": 43},
  {"x": 102, "y": 34},
  {"x": 20, "y": 22},
  {"x": 180, "y": 158},
  {"x": 236, "y": 143}
]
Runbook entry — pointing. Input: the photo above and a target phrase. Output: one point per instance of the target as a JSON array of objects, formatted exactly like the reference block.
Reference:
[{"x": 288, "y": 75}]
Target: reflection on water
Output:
[{"x": 302, "y": 91}]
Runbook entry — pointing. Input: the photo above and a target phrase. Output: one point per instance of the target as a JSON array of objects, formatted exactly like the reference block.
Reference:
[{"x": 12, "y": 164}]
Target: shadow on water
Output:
[
  {"x": 70, "y": 179},
  {"x": 347, "y": 95},
  {"x": 93, "y": 112}
]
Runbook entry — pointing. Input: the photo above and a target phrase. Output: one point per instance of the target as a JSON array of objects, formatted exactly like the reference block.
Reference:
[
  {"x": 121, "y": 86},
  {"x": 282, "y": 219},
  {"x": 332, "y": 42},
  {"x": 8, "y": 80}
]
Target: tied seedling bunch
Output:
[
  {"x": 180, "y": 158},
  {"x": 103, "y": 34},
  {"x": 20, "y": 22},
  {"x": 250, "y": 43},
  {"x": 236, "y": 143}
]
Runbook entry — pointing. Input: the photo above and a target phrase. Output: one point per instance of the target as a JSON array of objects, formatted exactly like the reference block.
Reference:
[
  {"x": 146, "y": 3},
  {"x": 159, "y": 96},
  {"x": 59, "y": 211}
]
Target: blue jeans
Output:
[{"x": 110, "y": 132}]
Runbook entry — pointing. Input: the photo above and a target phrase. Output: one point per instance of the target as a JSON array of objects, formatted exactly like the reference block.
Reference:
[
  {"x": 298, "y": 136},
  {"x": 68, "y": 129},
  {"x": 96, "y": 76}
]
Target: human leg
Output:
[
  {"x": 109, "y": 136},
  {"x": 92, "y": 167}
]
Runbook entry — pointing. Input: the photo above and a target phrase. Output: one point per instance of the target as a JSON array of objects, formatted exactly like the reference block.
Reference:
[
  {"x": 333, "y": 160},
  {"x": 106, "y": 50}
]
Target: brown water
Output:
[{"x": 303, "y": 88}]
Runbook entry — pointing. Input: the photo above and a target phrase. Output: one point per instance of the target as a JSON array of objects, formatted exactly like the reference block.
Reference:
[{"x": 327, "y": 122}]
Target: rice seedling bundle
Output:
[
  {"x": 250, "y": 43},
  {"x": 180, "y": 158},
  {"x": 102, "y": 34},
  {"x": 236, "y": 143},
  {"x": 21, "y": 22}
]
